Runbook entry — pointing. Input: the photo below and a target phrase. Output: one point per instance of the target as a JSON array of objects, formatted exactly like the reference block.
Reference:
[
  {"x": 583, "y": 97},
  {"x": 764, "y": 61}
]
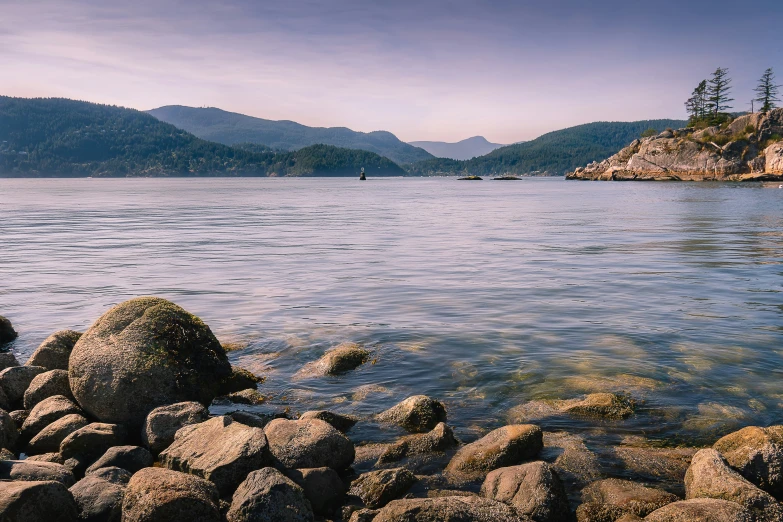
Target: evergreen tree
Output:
[
  {"x": 697, "y": 103},
  {"x": 767, "y": 91},
  {"x": 718, "y": 91}
]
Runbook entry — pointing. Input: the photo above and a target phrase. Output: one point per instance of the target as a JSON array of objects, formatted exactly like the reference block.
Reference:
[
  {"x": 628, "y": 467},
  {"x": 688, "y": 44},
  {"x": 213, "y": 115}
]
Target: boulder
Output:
[
  {"x": 46, "y": 412},
  {"x": 378, "y": 488},
  {"x": 15, "y": 380},
  {"x": 141, "y": 354},
  {"x": 710, "y": 477},
  {"x": 99, "y": 499},
  {"x": 130, "y": 458},
  {"x": 341, "y": 423},
  {"x": 308, "y": 444},
  {"x": 417, "y": 414},
  {"x": 267, "y": 495},
  {"x": 31, "y": 471},
  {"x": 534, "y": 489},
  {"x": 112, "y": 474},
  {"x": 92, "y": 441},
  {"x": 54, "y": 352},
  {"x": 45, "y": 385},
  {"x": 363, "y": 515},
  {"x": 7, "y": 332},
  {"x": 338, "y": 360},
  {"x": 604, "y": 405},
  {"x": 47, "y": 457},
  {"x": 162, "y": 423},
  {"x": 440, "y": 439},
  {"x": 240, "y": 379},
  {"x": 757, "y": 453},
  {"x": 254, "y": 420},
  {"x": 19, "y": 416},
  {"x": 448, "y": 509},
  {"x": 507, "y": 446},
  {"x": 774, "y": 158},
  {"x": 323, "y": 487},
  {"x": 700, "y": 510},
  {"x": 220, "y": 450},
  {"x": 7, "y": 360},
  {"x": 8, "y": 433},
  {"x": 250, "y": 396},
  {"x": 36, "y": 501},
  {"x": 611, "y": 499},
  {"x": 49, "y": 439},
  {"x": 157, "y": 494}
]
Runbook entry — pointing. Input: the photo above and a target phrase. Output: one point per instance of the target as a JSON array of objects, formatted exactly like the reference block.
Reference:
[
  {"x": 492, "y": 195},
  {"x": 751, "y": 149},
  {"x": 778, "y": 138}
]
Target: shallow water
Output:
[{"x": 486, "y": 295}]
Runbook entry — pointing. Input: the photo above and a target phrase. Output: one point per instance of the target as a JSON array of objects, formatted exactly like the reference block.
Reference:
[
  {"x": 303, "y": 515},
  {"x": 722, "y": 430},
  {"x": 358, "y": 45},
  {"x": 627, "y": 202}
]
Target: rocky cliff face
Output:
[{"x": 750, "y": 148}]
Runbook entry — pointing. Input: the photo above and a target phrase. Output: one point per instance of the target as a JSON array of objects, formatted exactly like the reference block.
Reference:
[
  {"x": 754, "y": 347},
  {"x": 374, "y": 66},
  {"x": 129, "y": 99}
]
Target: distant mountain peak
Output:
[{"x": 461, "y": 150}]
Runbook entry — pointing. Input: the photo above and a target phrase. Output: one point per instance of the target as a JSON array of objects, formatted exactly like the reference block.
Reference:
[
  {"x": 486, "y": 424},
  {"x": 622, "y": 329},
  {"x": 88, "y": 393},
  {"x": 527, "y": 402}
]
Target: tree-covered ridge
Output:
[
  {"x": 59, "y": 137},
  {"x": 552, "y": 154},
  {"x": 231, "y": 128}
]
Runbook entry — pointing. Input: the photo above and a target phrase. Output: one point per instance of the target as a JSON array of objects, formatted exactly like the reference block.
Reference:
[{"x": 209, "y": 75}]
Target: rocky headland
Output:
[
  {"x": 114, "y": 425},
  {"x": 749, "y": 148}
]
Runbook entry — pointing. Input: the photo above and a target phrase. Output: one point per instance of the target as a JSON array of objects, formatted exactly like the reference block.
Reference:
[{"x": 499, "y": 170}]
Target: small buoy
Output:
[{"x": 362, "y": 177}]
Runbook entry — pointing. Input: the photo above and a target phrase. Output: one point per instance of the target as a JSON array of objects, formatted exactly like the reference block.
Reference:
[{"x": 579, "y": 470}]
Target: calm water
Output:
[{"x": 486, "y": 294}]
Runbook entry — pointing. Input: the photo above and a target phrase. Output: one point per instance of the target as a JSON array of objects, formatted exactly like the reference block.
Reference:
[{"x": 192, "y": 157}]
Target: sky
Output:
[{"x": 424, "y": 70}]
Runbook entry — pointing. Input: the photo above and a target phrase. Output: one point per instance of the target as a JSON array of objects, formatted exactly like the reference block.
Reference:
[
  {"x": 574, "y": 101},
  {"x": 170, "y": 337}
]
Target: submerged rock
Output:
[
  {"x": 308, "y": 443},
  {"x": 534, "y": 489},
  {"x": 157, "y": 494},
  {"x": 268, "y": 495},
  {"x": 36, "y": 501},
  {"x": 162, "y": 423},
  {"x": 145, "y": 353},
  {"x": 757, "y": 453},
  {"x": 49, "y": 439},
  {"x": 7, "y": 332},
  {"x": 341, "y": 423},
  {"x": 378, "y": 488},
  {"x": 219, "y": 450},
  {"x": 611, "y": 499},
  {"x": 338, "y": 360},
  {"x": 604, "y": 405},
  {"x": 54, "y": 352},
  {"x": 506, "y": 446},
  {"x": 700, "y": 510},
  {"x": 45, "y": 385},
  {"x": 440, "y": 439},
  {"x": 417, "y": 414},
  {"x": 448, "y": 509}
]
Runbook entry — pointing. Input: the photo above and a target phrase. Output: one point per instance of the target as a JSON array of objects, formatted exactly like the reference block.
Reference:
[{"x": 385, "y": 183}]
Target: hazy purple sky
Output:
[{"x": 425, "y": 70}]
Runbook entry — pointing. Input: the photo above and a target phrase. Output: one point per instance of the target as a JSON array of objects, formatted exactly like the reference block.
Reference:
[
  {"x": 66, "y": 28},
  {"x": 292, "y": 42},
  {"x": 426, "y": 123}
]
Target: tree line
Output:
[{"x": 710, "y": 99}]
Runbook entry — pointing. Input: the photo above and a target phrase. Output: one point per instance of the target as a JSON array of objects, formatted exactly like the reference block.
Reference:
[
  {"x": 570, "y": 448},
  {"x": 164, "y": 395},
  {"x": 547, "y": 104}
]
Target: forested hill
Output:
[
  {"x": 552, "y": 154},
  {"x": 231, "y": 128},
  {"x": 59, "y": 137}
]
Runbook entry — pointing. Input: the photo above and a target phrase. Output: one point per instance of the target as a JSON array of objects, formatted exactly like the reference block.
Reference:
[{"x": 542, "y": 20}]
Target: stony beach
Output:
[{"x": 114, "y": 424}]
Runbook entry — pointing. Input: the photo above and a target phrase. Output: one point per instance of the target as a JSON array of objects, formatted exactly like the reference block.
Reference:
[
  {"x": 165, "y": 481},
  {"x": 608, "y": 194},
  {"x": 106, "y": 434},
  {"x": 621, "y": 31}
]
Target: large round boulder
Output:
[
  {"x": 157, "y": 494},
  {"x": 449, "y": 509},
  {"x": 507, "y": 446},
  {"x": 34, "y": 501},
  {"x": 145, "y": 353},
  {"x": 757, "y": 453},
  {"x": 309, "y": 443},
  {"x": 45, "y": 385},
  {"x": 534, "y": 489},
  {"x": 701, "y": 510},
  {"x": 267, "y": 495},
  {"x": 162, "y": 423},
  {"x": 54, "y": 352},
  {"x": 417, "y": 414}
]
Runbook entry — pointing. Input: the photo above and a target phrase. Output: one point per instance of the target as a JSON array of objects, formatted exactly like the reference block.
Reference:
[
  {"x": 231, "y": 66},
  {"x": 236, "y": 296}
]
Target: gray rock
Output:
[
  {"x": 503, "y": 447},
  {"x": 341, "y": 423},
  {"x": 98, "y": 499},
  {"x": 131, "y": 458},
  {"x": 219, "y": 450},
  {"x": 710, "y": 477},
  {"x": 534, "y": 489},
  {"x": 323, "y": 487},
  {"x": 30, "y": 471},
  {"x": 8, "y": 433},
  {"x": 54, "y": 352},
  {"x": 611, "y": 499},
  {"x": 417, "y": 414},
  {"x": 45, "y": 385},
  {"x": 7, "y": 360},
  {"x": 338, "y": 360},
  {"x": 92, "y": 441},
  {"x": 157, "y": 495},
  {"x": 757, "y": 453},
  {"x": 7, "y": 332},
  {"x": 267, "y": 495},
  {"x": 141, "y": 354},
  {"x": 47, "y": 501},
  {"x": 15, "y": 380},
  {"x": 700, "y": 510},
  {"x": 378, "y": 488},
  {"x": 49, "y": 439},
  {"x": 774, "y": 158},
  {"x": 46, "y": 412},
  {"x": 440, "y": 439},
  {"x": 308, "y": 444},
  {"x": 448, "y": 509},
  {"x": 162, "y": 423}
]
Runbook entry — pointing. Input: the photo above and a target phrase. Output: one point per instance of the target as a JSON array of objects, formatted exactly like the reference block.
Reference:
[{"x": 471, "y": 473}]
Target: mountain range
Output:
[
  {"x": 461, "y": 150},
  {"x": 230, "y": 128}
]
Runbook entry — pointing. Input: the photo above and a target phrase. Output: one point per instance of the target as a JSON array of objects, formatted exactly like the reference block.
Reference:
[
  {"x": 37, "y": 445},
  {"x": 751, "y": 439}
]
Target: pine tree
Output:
[
  {"x": 697, "y": 103},
  {"x": 767, "y": 91},
  {"x": 718, "y": 91}
]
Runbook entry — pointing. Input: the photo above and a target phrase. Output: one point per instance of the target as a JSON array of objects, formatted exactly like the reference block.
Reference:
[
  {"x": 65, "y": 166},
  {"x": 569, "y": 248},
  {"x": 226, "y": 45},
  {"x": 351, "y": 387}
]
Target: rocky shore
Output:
[
  {"x": 749, "y": 148},
  {"x": 113, "y": 425}
]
